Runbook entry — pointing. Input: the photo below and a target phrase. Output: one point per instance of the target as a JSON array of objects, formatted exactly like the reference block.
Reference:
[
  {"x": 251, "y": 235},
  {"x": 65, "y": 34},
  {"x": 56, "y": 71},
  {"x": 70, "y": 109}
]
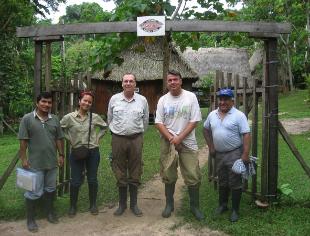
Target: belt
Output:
[
  {"x": 230, "y": 150},
  {"x": 127, "y": 136}
]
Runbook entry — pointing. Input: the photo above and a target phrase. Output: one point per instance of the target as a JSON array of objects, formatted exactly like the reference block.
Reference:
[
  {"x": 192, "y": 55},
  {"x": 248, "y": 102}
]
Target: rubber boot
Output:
[
  {"x": 169, "y": 192},
  {"x": 51, "y": 216},
  {"x": 194, "y": 202},
  {"x": 74, "y": 193},
  {"x": 223, "y": 201},
  {"x": 30, "y": 209},
  {"x": 235, "y": 202},
  {"x": 93, "y": 190},
  {"x": 122, "y": 206},
  {"x": 133, "y": 190}
]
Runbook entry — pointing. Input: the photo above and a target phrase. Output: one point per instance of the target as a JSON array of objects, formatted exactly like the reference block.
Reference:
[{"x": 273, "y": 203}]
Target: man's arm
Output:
[
  {"x": 164, "y": 131},
  {"x": 208, "y": 137},
  {"x": 22, "y": 153},
  {"x": 176, "y": 139},
  {"x": 60, "y": 148},
  {"x": 246, "y": 147},
  {"x": 185, "y": 132}
]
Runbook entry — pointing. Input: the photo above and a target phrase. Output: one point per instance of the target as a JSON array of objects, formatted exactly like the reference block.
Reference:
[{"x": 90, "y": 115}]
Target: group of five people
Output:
[{"x": 226, "y": 132}]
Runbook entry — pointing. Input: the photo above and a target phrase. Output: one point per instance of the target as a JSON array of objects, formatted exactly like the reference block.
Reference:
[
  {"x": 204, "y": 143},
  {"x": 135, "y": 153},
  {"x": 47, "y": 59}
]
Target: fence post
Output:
[{"x": 1, "y": 118}]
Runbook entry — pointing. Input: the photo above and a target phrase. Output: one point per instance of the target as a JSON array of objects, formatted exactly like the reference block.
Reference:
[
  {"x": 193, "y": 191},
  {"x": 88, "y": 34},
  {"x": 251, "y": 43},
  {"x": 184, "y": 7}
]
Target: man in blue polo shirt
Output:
[
  {"x": 40, "y": 133},
  {"x": 227, "y": 134}
]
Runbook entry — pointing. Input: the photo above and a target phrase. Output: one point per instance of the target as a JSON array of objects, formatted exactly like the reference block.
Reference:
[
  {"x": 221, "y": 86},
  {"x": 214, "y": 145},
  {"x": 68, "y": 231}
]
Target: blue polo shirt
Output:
[{"x": 227, "y": 133}]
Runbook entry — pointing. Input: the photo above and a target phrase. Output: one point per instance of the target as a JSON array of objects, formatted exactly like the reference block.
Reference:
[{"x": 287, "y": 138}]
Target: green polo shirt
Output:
[{"x": 41, "y": 136}]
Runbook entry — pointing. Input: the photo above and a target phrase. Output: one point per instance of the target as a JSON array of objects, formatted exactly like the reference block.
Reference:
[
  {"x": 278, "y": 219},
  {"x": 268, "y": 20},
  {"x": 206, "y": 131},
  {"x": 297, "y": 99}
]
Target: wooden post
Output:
[
  {"x": 229, "y": 78},
  {"x": 272, "y": 86},
  {"x": 244, "y": 97},
  {"x": 221, "y": 79},
  {"x": 216, "y": 87},
  {"x": 254, "y": 136},
  {"x": 236, "y": 87},
  {"x": 265, "y": 125},
  {"x": 1, "y": 122},
  {"x": 48, "y": 66},
  {"x": 37, "y": 69},
  {"x": 166, "y": 60}
]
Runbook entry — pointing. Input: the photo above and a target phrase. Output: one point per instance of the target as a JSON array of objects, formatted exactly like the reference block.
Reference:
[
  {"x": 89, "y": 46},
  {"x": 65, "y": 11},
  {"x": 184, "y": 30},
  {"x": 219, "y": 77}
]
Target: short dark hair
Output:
[
  {"x": 174, "y": 72},
  {"x": 129, "y": 73},
  {"x": 44, "y": 95}
]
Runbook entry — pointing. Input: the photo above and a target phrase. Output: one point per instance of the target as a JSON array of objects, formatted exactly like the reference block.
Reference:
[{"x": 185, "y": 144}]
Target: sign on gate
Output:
[{"x": 151, "y": 26}]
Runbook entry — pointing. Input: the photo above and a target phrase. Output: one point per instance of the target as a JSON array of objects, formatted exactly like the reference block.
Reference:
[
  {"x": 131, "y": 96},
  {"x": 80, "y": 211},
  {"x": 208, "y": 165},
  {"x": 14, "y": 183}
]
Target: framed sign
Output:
[{"x": 151, "y": 26}]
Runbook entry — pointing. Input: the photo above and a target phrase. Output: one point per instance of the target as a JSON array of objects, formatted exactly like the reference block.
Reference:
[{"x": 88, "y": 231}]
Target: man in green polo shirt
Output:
[{"x": 40, "y": 132}]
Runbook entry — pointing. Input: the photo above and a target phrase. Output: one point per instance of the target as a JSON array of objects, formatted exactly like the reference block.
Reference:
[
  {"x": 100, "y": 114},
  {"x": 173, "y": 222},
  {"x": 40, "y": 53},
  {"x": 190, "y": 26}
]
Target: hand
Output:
[
  {"x": 25, "y": 164},
  {"x": 245, "y": 158},
  {"x": 175, "y": 140},
  {"x": 212, "y": 152},
  {"x": 60, "y": 161}
]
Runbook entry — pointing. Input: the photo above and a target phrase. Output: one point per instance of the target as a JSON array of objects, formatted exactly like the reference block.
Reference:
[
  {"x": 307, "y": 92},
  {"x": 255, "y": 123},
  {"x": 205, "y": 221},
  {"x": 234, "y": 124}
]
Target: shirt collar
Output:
[
  {"x": 132, "y": 99},
  {"x": 49, "y": 115},
  {"x": 76, "y": 114},
  {"x": 229, "y": 112}
]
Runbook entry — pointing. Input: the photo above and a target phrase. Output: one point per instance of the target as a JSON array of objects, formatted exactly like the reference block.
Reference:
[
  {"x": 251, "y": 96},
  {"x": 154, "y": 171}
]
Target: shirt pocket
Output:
[{"x": 137, "y": 114}]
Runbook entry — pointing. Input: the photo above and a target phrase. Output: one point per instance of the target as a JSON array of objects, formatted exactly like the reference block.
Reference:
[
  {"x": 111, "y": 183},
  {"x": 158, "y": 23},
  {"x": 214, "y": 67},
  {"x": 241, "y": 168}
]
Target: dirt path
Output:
[{"x": 151, "y": 201}]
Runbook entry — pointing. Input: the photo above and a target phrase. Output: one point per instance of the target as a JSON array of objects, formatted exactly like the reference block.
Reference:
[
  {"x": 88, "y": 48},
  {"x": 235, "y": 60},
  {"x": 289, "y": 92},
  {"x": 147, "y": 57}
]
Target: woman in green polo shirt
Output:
[{"x": 76, "y": 128}]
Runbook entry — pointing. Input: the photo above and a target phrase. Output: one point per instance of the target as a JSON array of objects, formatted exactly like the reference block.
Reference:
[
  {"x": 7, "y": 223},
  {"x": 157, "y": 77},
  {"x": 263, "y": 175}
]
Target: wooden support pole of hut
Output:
[
  {"x": 216, "y": 88},
  {"x": 48, "y": 66},
  {"x": 244, "y": 97},
  {"x": 229, "y": 78},
  {"x": 166, "y": 60},
  {"x": 221, "y": 79},
  {"x": 37, "y": 69},
  {"x": 236, "y": 87}
]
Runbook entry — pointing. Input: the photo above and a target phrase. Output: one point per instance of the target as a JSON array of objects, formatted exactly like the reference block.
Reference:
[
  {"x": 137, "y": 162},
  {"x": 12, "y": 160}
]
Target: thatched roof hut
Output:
[
  {"x": 230, "y": 60},
  {"x": 145, "y": 60}
]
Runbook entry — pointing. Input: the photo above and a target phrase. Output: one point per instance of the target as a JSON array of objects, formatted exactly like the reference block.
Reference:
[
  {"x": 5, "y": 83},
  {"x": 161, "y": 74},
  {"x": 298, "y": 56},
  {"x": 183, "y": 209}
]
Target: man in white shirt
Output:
[
  {"x": 177, "y": 115},
  {"x": 128, "y": 116}
]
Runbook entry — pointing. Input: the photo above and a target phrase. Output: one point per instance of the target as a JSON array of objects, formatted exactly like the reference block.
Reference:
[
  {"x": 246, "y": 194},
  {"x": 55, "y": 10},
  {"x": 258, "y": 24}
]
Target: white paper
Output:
[
  {"x": 151, "y": 26},
  {"x": 26, "y": 179}
]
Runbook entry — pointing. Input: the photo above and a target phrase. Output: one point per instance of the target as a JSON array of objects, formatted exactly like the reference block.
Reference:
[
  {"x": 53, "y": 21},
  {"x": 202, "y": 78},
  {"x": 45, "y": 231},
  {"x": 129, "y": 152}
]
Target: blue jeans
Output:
[
  {"x": 46, "y": 182},
  {"x": 90, "y": 164}
]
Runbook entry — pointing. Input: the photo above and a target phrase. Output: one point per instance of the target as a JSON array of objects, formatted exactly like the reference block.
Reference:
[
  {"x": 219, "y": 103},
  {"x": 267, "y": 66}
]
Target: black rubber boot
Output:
[
  {"x": 51, "y": 215},
  {"x": 223, "y": 201},
  {"x": 235, "y": 202},
  {"x": 93, "y": 190},
  {"x": 74, "y": 193},
  {"x": 194, "y": 202},
  {"x": 122, "y": 206},
  {"x": 30, "y": 209},
  {"x": 169, "y": 192},
  {"x": 133, "y": 190}
]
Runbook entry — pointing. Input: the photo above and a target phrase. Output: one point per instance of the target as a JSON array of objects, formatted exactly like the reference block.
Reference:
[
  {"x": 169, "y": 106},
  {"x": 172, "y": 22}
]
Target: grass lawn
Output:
[
  {"x": 290, "y": 216},
  {"x": 11, "y": 198}
]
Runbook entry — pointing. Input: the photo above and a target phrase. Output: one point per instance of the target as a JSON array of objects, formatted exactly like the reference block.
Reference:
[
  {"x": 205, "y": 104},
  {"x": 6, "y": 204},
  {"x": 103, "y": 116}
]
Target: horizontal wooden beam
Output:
[
  {"x": 54, "y": 38},
  {"x": 176, "y": 26}
]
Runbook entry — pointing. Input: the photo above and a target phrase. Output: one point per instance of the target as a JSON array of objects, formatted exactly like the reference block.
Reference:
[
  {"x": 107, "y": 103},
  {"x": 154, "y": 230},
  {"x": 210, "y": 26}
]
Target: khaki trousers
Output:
[{"x": 170, "y": 159}]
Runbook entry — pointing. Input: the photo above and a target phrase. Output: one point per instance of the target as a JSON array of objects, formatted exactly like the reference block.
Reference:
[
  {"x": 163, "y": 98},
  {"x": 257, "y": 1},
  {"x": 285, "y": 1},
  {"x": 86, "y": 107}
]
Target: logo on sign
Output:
[{"x": 151, "y": 25}]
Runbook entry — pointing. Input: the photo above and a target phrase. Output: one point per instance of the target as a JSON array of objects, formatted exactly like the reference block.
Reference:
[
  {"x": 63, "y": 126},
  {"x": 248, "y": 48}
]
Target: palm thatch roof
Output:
[
  {"x": 145, "y": 60},
  {"x": 206, "y": 60}
]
